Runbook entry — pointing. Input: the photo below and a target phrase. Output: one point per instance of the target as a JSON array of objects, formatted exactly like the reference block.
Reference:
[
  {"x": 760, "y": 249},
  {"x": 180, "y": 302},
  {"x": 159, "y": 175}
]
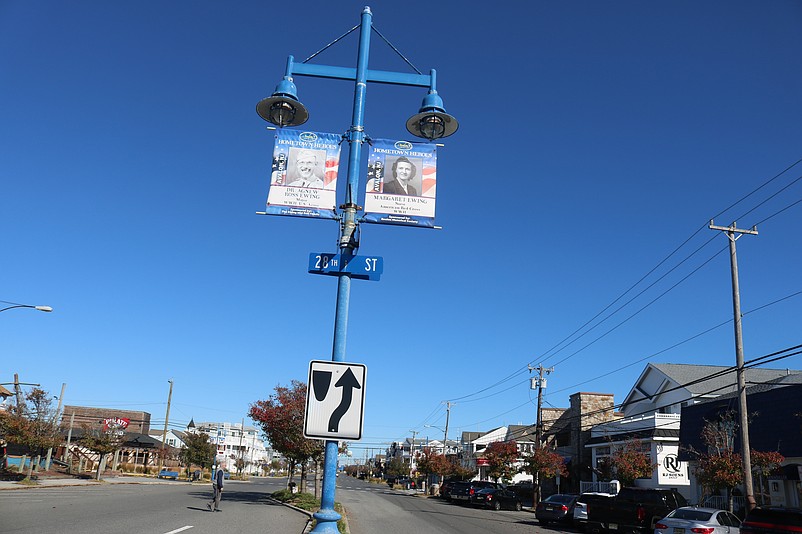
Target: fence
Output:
[
  {"x": 720, "y": 502},
  {"x": 597, "y": 487}
]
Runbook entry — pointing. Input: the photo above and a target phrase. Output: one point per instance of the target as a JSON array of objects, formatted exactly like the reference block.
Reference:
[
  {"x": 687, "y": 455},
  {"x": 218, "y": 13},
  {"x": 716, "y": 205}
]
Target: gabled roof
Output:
[
  {"x": 471, "y": 436},
  {"x": 705, "y": 380},
  {"x": 4, "y": 392},
  {"x": 522, "y": 433},
  {"x": 497, "y": 434}
]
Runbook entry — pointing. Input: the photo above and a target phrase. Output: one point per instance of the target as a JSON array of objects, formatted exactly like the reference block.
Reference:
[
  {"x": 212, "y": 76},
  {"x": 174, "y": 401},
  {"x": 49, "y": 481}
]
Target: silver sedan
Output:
[{"x": 693, "y": 520}]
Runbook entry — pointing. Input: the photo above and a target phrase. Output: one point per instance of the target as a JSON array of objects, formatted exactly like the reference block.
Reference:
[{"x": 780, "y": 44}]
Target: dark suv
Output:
[
  {"x": 633, "y": 510},
  {"x": 772, "y": 520},
  {"x": 463, "y": 492}
]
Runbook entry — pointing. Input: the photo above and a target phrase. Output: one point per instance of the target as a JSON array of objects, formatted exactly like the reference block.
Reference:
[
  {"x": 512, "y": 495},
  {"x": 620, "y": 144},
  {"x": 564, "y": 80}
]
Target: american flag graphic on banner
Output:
[{"x": 401, "y": 183}]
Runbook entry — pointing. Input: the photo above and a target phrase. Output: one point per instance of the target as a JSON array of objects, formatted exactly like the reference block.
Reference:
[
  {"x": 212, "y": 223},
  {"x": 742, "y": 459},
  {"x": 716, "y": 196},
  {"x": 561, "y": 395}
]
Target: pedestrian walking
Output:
[{"x": 217, "y": 487}]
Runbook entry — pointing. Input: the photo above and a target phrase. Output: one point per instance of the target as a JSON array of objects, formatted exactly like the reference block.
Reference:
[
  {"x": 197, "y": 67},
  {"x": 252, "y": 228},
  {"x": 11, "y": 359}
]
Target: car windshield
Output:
[
  {"x": 562, "y": 499},
  {"x": 691, "y": 515}
]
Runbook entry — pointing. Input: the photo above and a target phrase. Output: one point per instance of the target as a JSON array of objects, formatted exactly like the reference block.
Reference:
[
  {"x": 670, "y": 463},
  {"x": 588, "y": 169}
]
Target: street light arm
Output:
[{"x": 40, "y": 308}]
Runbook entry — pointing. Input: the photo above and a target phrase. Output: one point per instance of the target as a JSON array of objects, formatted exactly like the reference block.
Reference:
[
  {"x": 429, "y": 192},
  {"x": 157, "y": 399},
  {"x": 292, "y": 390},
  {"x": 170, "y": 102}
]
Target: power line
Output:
[
  {"x": 762, "y": 360},
  {"x": 547, "y": 353},
  {"x": 769, "y": 358}
]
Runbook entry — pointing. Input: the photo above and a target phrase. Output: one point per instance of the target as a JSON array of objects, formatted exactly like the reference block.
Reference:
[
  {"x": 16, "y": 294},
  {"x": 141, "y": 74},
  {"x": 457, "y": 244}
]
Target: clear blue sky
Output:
[{"x": 595, "y": 138}]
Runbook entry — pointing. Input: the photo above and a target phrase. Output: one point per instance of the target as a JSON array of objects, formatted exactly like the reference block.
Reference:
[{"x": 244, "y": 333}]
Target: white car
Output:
[
  {"x": 582, "y": 503},
  {"x": 693, "y": 520}
]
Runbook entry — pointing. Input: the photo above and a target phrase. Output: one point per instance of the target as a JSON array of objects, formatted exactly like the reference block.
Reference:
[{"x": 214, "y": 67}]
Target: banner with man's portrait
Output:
[
  {"x": 401, "y": 183},
  {"x": 303, "y": 182}
]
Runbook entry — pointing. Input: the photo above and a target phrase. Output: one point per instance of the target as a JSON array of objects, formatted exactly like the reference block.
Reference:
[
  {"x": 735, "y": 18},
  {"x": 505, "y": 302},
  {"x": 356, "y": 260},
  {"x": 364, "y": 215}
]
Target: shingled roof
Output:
[
  {"x": 693, "y": 376},
  {"x": 700, "y": 381}
]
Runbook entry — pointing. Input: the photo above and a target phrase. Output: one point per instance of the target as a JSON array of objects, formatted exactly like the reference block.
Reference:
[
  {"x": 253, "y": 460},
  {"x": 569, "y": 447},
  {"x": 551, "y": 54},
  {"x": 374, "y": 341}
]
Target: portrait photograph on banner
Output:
[
  {"x": 303, "y": 181},
  {"x": 401, "y": 183}
]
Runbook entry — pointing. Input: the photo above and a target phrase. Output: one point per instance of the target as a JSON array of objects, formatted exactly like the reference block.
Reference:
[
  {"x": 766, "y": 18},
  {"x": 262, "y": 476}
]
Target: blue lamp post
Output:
[{"x": 283, "y": 108}]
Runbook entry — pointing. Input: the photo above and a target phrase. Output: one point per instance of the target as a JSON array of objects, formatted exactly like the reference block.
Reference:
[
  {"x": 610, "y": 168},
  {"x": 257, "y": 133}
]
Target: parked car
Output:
[
  {"x": 558, "y": 508},
  {"x": 583, "y": 502},
  {"x": 463, "y": 492},
  {"x": 525, "y": 491},
  {"x": 634, "y": 510},
  {"x": 772, "y": 520},
  {"x": 693, "y": 520},
  {"x": 167, "y": 472},
  {"x": 445, "y": 489},
  {"x": 497, "y": 498}
]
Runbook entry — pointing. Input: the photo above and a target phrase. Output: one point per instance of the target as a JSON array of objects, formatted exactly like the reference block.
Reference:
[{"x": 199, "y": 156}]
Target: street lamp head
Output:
[
  {"x": 44, "y": 308},
  {"x": 432, "y": 122},
  {"x": 283, "y": 108}
]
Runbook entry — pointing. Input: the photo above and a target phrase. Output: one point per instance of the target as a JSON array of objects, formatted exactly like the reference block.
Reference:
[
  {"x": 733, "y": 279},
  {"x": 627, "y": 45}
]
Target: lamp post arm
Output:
[
  {"x": 40, "y": 308},
  {"x": 348, "y": 73}
]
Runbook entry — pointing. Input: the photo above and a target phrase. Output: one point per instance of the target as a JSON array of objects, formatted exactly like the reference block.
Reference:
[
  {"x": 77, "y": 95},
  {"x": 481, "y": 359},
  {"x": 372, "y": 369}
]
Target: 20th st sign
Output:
[{"x": 335, "y": 400}]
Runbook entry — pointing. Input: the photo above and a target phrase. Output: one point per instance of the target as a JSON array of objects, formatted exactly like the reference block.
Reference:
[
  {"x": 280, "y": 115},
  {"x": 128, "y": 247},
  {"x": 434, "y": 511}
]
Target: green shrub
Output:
[{"x": 307, "y": 501}]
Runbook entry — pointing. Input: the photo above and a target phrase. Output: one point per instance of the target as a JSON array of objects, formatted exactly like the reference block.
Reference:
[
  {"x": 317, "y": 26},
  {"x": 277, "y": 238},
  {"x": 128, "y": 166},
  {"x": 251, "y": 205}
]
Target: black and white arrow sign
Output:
[{"x": 335, "y": 400}]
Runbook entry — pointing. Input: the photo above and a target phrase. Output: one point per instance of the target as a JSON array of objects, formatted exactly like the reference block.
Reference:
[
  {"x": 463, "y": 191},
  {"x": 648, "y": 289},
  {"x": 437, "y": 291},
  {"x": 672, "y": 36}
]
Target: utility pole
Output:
[
  {"x": 166, "y": 420},
  {"x": 18, "y": 392},
  {"x": 746, "y": 453},
  {"x": 540, "y": 383},
  {"x": 445, "y": 435}
]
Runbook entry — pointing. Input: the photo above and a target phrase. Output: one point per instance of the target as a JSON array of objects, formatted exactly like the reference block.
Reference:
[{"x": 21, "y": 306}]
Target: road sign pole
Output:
[{"x": 327, "y": 517}]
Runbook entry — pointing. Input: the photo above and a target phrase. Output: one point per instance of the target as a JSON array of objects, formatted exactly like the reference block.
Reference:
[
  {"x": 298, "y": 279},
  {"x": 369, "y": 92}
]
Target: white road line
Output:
[{"x": 179, "y": 530}]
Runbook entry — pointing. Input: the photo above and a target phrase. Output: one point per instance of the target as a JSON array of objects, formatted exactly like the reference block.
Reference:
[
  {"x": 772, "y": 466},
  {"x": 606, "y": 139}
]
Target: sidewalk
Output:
[{"x": 50, "y": 482}]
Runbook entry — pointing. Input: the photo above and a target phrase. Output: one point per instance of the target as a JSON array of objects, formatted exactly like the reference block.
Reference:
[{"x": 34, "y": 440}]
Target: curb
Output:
[{"x": 310, "y": 515}]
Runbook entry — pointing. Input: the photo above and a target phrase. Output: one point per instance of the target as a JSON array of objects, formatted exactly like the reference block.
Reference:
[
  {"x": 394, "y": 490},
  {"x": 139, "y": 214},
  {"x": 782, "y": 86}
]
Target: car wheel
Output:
[
  {"x": 517, "y": 507},
  {"x": 496, "y": 505}
]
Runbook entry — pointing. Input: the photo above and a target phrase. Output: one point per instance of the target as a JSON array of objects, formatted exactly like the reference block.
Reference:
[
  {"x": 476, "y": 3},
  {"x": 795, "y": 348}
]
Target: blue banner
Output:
[
  {"x": 401, "y": 183},
  {"x": 303, "y": 182}
]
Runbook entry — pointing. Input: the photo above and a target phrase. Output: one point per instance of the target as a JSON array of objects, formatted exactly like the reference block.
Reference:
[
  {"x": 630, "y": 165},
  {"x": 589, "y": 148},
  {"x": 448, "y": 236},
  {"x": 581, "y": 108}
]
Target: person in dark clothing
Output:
[{"x": 217, "y": 487}]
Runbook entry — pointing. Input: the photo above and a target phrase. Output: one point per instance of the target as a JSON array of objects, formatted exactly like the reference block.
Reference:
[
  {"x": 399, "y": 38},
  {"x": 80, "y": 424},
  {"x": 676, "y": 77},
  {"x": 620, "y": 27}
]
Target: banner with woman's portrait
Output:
[
  {"x": 303, "y": 182},
  {"x": 401, "y": 183}
]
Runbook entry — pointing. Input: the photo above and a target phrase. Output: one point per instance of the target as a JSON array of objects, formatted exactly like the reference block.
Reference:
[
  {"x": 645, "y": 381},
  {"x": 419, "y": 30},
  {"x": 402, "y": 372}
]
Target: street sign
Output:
[
  {"x": 335, "y": 400},
  {"x": 360, "y": 267}
]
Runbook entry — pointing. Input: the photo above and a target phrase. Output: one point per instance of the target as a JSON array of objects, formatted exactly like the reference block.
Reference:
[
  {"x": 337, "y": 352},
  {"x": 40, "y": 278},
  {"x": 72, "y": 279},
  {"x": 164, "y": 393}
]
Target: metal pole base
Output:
[{"x": 326, "y": 522}]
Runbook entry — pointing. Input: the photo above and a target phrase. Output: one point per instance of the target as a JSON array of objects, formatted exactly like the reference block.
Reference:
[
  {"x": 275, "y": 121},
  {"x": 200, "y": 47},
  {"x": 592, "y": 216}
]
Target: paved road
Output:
[
  {"x": 152, "y": 509},
  {"x": 373, "y": 509},
  {"x": 170, "y": 508}
]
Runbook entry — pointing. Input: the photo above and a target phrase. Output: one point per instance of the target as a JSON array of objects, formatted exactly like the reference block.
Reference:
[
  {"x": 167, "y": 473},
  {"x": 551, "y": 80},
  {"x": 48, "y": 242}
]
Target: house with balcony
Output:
[
  {"x": 651, "y": 415},
  {"x": 406, "y": 451},
  {"x": 565, "y": 430},
  {"x": 235, "y": 441}
]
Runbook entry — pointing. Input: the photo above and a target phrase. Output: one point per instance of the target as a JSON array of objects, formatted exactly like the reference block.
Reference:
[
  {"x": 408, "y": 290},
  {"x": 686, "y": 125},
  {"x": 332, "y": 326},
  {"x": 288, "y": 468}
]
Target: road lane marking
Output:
[{"x": 176, "y": 531}]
